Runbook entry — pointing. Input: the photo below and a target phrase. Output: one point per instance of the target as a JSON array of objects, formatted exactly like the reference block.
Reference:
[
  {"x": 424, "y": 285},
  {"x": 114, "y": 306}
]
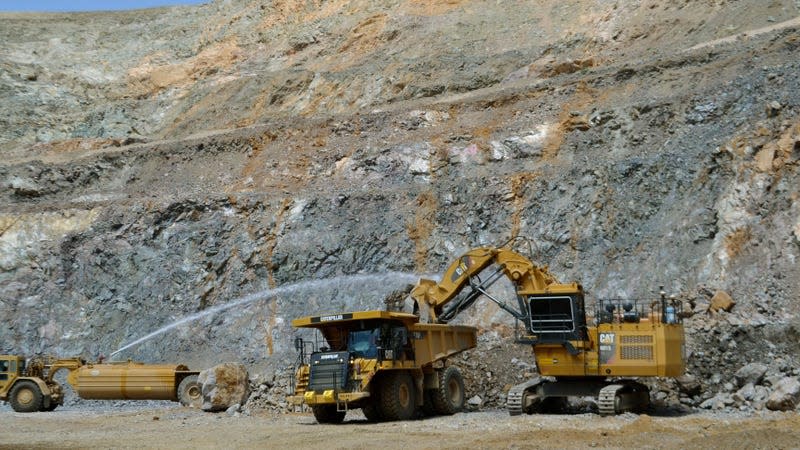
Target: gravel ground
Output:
[{"x": 143, "y": 426}]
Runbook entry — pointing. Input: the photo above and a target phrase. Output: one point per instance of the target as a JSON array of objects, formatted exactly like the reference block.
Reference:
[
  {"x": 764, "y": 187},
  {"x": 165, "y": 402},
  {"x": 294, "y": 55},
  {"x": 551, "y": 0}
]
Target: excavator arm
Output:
[{"x": 443, "y": 301}]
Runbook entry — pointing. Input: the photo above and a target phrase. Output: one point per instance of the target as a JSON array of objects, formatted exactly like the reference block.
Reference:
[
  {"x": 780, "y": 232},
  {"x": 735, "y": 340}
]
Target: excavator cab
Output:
[{"x": 555, "y": 319}]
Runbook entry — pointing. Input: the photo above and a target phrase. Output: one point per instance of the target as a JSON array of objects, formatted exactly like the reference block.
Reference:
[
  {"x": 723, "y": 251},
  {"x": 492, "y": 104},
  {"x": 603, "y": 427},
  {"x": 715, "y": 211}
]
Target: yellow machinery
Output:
[
  {"x": 31, "y": 386},
  {"x": 627, "y": 338},
  {"x": 386, "y": 363}
]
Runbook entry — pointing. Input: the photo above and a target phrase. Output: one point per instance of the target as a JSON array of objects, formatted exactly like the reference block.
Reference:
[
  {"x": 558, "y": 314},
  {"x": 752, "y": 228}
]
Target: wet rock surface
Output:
[{"x": 300, "y": 161}]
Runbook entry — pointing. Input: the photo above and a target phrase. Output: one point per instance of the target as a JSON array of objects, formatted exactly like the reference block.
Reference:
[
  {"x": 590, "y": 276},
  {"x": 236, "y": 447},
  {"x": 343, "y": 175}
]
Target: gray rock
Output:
[
  {"x": 745, "y": 394},
  {"x": 716, "y": 402},
  {"x": 475, "y": 401},
  {"x": 760, "y": 397},
  {"x": 24, "y": 187},
  {"x": 689, "y": 385},
  {"x": 752, "y": 373},
  {"x": 773, "y": 108},
  {"x": 785, "y": 395}
]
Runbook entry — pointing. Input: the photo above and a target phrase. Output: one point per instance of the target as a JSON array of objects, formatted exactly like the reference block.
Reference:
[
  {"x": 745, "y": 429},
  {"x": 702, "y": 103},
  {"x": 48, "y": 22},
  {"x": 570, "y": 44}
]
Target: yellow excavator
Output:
[{"x": 626, "y": 339}]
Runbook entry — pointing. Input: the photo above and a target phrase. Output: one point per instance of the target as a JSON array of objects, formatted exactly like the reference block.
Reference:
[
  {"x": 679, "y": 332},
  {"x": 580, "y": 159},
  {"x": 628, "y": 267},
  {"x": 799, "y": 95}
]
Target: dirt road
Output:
[{"x": 176, "y": 427}]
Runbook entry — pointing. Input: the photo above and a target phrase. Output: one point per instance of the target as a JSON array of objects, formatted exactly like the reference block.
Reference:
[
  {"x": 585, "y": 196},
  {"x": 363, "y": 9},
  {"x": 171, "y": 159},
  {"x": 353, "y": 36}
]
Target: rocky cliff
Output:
[{"x": 303, "y": 157}]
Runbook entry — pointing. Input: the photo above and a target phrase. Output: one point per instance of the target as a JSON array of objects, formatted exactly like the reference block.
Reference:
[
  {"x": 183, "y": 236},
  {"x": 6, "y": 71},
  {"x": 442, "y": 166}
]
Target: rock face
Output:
[
  {"x": 203, "y": 175},
  {"x": 224, "y": 386}
]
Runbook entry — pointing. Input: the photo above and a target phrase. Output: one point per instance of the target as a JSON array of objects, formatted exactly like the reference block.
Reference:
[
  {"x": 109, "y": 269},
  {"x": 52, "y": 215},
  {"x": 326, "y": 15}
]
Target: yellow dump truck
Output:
[
  {"x": 30, "y": 386},
  {"x": 385, "y": 363}
]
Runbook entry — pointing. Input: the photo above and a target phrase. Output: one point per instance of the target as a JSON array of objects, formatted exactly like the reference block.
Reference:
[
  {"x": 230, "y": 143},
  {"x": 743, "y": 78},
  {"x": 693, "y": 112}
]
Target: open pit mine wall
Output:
[{"x": 696, "y": 192}]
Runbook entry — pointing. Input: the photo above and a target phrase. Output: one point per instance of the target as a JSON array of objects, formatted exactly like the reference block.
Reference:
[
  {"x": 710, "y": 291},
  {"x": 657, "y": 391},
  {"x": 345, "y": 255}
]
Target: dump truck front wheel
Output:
[
  {"x": 449, "y": 397},
  {"x": 328, "y": 414},
  {"x": 372, "y": 412},
  {"x": 190, "y": 392},
  {"x": 26, "y": 397},
  {"x": 398, "y": 397}
]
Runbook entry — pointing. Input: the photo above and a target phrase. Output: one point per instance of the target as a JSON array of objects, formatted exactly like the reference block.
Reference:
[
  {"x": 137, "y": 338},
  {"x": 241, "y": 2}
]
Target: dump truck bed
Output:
[{"x": 433, "y": 342}]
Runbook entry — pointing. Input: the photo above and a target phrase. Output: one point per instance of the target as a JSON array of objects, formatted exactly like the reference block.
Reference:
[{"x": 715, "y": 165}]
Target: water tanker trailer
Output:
[{"x": 30, "y": 385}]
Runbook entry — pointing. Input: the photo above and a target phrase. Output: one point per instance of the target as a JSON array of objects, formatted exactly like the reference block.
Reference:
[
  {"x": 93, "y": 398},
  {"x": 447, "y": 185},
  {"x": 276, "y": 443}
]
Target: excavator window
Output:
[
  {"x": 4, "y": 370},
  {"x": 557, "y": 318},
  {"x": 552, "y": 315}
]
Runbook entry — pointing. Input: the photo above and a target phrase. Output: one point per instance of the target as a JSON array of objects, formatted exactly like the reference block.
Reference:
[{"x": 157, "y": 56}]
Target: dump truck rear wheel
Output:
[
  {"x": 449, "y": 398},
  {"x": 427, "y": 403},
  {"x": 26, "y": 397},
  {"x": 398, "y": 397},
  {"x": 190, "y": 392},
  {"x": 328, "y": 414}
]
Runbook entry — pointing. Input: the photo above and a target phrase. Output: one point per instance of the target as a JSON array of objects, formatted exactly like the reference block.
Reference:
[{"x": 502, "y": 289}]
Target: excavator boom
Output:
[{"x": 440, "y": 299}]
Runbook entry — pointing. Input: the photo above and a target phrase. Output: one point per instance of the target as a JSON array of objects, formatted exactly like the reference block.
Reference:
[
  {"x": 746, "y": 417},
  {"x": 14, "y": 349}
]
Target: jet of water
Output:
[{"x": 271, "y": 293}]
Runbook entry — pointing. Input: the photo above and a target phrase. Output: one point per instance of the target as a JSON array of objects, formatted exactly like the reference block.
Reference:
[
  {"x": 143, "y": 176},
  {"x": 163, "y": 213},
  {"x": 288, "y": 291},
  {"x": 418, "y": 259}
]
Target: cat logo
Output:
[
  {"x": 461, "y": 269},
  {"x": 607, "y": 338}
]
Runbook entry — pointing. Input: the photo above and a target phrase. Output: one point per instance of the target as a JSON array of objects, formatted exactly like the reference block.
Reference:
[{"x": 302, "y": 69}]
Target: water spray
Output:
[{"x": 271, "y": 294}]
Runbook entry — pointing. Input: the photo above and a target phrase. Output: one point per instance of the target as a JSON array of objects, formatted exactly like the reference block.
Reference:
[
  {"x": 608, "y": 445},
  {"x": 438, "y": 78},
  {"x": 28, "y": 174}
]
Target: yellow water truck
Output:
[{"x": 29, "y": 385}]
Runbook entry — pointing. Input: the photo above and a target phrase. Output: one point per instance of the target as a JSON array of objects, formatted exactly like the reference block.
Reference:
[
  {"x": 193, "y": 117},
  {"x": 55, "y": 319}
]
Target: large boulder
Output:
[
  {"x": 721, "y": 301},
  {"x": 752, "y": 373},
  {"x": 224, "y": 385},
  {"x": 785, "y": 395}
]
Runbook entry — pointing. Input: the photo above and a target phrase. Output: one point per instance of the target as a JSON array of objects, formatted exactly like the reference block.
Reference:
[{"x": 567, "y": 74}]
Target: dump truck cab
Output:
[{"x": 382, "y": 362}]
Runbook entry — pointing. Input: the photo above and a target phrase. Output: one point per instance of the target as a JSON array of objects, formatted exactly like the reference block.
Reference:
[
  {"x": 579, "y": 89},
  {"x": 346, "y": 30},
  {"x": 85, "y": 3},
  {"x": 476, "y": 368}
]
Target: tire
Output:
[
  {"x": 190, "y": 392},
  {"x": 372, "y": 409},
  {"x": 328, "y": 414},
  {"x": 26, "y": 397},
  {"x": 398, "y": 396},
  {"x": 449, "y": 398},
  {"x": 50, "y": 408},
  {"x": 372, "y": 412},
  {"x": 427, "y": 403}
]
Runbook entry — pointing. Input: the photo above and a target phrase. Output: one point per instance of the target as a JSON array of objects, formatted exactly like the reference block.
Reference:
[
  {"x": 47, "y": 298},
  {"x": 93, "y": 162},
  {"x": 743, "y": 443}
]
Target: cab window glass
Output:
[{"x": 363, "y": 343}]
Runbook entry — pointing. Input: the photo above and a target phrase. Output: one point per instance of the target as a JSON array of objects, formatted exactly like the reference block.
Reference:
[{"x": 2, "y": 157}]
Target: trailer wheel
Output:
[
  {"x": 26, "y": 397},
  {"x": 328, "y": 414},
  {"x": 397, "y": 396},
  {"x": 449, "y": 398},
  {"x": 50, "y": 408},
  {"x": 190, "y": 392}
]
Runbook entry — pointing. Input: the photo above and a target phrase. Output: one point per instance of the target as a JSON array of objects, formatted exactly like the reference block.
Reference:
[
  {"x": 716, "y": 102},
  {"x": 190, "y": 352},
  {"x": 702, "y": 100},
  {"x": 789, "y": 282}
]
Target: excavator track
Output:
[
  {"x": 607, "y": 399},
  {"x": 619, "y": 398},
  {"x": 516, "y": 396}
]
